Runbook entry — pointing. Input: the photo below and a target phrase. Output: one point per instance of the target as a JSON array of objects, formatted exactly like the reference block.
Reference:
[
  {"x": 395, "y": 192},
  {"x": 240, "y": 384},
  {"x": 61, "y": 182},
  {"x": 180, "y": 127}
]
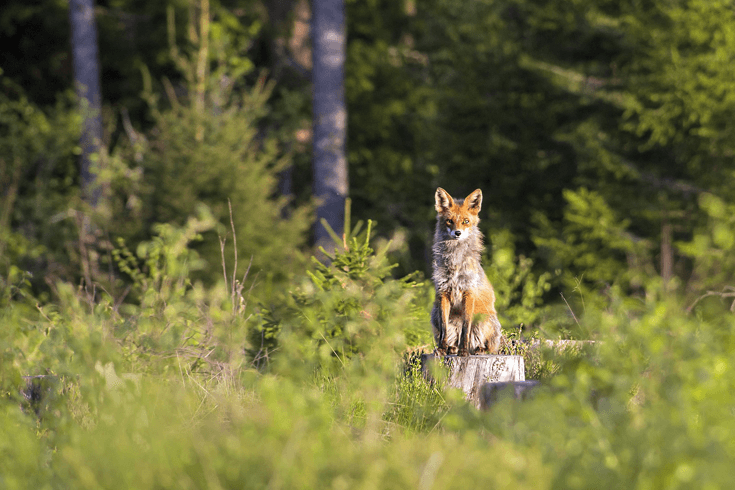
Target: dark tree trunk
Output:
[
  {"x": 87, "y": 84},
  {"x": 330, "y": 117},
  {"x": 667, "y": 254}
]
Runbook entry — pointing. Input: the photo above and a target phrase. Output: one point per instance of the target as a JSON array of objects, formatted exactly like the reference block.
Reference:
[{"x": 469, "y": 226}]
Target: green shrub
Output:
[
  {"x": 218, "y": 157},
  {"x": 348, "y": 305},
  {"x": 519, "y": 290},
  {"x": 38, "y": 170}
]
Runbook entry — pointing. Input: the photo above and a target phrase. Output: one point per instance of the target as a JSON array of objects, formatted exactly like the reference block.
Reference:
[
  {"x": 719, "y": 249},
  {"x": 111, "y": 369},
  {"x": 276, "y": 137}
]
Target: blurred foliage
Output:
[
  {"x": 710, "y": 247},
  {"x": 144, "y": 396},
  {"x": 594, "y": 240},
  {"x": 38, "y": 179},
  {"x": 418, "y": 404},
  {"x": 519, "y": 291},
  {"x": 567, "y": 115}
]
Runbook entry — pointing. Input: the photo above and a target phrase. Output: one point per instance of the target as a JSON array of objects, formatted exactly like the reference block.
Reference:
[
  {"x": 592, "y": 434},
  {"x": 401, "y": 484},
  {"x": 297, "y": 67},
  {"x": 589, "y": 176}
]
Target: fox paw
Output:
[
  {"x": 440, "y": 352},
  {"x": 463, "y": 352}
]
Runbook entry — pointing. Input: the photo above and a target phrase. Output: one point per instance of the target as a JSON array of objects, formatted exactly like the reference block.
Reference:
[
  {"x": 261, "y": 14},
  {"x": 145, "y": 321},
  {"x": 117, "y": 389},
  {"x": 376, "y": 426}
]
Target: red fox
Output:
[{"x": 464, "y": 319}]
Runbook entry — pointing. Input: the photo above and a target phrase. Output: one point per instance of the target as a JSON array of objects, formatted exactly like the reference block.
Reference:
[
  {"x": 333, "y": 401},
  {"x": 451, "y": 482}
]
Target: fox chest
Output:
[{"x": 457, "y": 279}]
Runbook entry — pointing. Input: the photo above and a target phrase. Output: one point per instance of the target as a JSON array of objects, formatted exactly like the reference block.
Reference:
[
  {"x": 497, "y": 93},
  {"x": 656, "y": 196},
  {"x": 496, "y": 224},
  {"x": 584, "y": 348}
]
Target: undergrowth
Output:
[{"x": 171, "y": 388}]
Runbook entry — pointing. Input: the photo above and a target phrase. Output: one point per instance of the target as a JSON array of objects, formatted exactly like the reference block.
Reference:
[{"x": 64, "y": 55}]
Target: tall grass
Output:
[{"x": 165, "y": 393}]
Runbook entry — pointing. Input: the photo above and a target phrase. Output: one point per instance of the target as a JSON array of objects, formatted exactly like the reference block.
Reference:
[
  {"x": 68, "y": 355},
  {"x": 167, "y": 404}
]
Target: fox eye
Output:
[
  {"x": 466, "y": 221},
  {"x": 448, "y": 222}
]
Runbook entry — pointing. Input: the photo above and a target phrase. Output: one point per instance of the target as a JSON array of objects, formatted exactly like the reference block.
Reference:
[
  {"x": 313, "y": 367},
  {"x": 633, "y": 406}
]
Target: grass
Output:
[{"x": 164, "y": 394}]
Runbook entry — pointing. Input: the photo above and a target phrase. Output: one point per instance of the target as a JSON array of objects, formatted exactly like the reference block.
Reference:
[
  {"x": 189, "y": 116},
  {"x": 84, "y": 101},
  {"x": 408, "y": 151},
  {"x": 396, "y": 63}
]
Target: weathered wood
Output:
[
  {"x": 491, "y": 392},
  {"x": 470, "y": 373},
  {"x": 558, "y": 346}
]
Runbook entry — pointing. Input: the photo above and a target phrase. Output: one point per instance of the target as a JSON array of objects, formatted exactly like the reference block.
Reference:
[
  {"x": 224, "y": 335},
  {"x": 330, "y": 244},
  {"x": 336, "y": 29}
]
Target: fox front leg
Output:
[
  {"x": 468, "y": 310},
  {"x": 444, "y": 307},
  {"x": 441, "y": 344}
]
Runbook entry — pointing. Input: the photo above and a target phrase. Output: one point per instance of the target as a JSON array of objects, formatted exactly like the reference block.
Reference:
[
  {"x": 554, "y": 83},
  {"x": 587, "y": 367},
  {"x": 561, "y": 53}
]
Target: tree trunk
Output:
[
  {"x": 87, "y": 84},
  {"x": 329, "y": 117},
  {"x": 667, "y": 255}
]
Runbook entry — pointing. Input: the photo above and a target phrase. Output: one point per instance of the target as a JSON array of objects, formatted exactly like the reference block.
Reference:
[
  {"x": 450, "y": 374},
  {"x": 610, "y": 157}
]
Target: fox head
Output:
[{"x": 457, "y": 218}]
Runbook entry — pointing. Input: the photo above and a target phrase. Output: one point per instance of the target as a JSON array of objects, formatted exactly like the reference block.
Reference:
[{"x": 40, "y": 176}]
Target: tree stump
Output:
[{"x": 470, "y": 373}]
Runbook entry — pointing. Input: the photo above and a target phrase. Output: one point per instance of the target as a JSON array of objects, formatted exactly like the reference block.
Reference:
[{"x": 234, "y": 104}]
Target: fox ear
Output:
[
  {"x": 443, "y": 200},
  {"x": 473, "y": 202}
]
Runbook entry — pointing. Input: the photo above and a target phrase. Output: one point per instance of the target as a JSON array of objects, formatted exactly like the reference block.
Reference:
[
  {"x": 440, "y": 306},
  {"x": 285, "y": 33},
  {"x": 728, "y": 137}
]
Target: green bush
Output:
[
  {"x": 649, "y": 410},
  {"x": 519, "y": 290},
  {"x": 38, "y": 149},
  {"x": 218, "y": 157},
  {"x": 348, "y": 305}
]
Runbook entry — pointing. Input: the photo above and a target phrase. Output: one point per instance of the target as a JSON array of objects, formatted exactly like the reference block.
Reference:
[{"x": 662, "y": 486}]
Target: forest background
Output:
[{"x": 599, "y": 131}]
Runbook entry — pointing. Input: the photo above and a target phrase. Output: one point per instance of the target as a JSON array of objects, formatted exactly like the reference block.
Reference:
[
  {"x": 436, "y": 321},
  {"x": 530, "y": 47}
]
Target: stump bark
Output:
[{"x": 470, "y": 373}]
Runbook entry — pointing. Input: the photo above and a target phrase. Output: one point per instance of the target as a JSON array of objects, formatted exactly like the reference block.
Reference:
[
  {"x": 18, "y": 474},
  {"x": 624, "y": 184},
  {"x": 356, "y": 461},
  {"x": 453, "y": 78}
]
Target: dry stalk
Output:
[{"x": 727, "y": 292}]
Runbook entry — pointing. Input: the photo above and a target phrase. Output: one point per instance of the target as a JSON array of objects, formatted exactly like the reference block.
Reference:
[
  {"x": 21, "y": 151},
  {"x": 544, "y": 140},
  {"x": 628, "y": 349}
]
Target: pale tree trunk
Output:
[
  {"x": 330, "y": 117},
  {"x": 85, "y": 60},
  {"x": 87, "y": 84}
]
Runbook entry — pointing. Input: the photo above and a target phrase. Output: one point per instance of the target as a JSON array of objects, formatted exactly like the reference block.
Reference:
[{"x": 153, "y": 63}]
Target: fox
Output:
[{"x": 463, "y": 318}]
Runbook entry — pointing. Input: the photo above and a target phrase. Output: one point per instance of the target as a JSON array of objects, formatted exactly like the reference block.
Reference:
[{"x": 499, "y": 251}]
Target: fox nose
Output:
[{"x": 457, "y": 233}]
